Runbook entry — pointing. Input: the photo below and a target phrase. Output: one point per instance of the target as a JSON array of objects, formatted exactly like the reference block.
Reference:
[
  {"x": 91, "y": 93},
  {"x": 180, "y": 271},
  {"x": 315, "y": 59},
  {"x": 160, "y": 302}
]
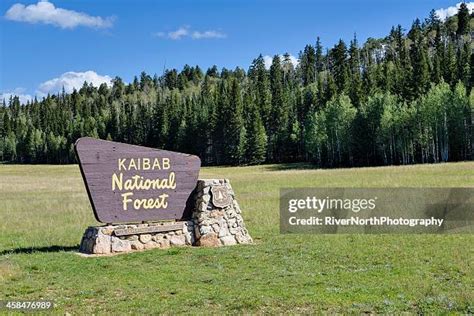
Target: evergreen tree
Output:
[
  {"x": 308, "y": 65},
  {"x": 437, "y": 74},
  {"x": 395, "y": 100},
  {"x": 463, "y": 64},
  {"x": 339, "y": 66},
  {"x": 319, "y": 58},
  {"x": 355, "y": 88},
  {"x": 234, "y": 133},
  {"x": 419, "y": 60},
  {"x": 279, "y": 112},
  {"x": 256, "y": 137},
  {"x": 449, "y": 65},
  {"x": 259, "y": 76},
  {"x": 463, "y": 20}
]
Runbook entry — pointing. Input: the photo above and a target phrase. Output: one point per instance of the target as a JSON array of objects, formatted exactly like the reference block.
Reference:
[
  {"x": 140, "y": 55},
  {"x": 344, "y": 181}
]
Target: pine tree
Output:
[
  {"x": 308, "y": 65},
  {"x": 6, "y": 127},
  {"x": 279, "y": 112},
  {"x": 355, "y": 85},
  {"x": 288, "y": 71},
  {"x": 319, "y": 58},
  {"x": 259, "y": 76},
  {"x": 463, "y": 20},
  {"x": 419, "y": 61},
  {"x": 433, "y": 21},
  {"x": 449, "y": 65},
  {"x": 234, "y": 134},
  {"x": 437, "y": 74},
  {"x": 463, "y": 64},
  {"x": 471, "y": 72},
  {"x": 330, "y": 89},
  {"x": 339, "y": 66},
  {"x": 256, "y": 137}
]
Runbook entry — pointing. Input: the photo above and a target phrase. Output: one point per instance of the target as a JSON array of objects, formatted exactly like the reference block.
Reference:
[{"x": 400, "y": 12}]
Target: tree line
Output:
[{"x": 406, "y": 98}]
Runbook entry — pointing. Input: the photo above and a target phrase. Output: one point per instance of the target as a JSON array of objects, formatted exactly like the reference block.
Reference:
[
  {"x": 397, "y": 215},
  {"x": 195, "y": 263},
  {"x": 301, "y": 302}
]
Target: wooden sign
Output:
[{"x": 128, "y": 183}]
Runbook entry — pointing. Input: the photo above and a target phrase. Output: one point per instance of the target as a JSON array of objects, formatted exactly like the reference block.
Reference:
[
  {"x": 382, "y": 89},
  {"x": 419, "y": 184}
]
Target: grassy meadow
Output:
[{"x": 44, "y": 211}]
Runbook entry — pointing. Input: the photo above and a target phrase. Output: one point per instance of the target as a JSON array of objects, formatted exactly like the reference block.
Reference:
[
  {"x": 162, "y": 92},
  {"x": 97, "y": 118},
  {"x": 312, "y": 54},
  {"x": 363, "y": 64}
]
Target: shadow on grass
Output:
[
  {"x": 291, "y": 166},
  {"x": 39, "y": 249}
]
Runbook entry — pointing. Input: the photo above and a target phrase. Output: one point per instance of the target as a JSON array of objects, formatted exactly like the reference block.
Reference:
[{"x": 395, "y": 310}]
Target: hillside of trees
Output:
[{"x": 406, "y": 98}]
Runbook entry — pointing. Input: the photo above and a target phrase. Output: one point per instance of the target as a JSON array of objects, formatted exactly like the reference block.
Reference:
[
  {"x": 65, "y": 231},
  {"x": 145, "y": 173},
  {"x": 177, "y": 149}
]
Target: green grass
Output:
[{"x": 44, "y": 211}]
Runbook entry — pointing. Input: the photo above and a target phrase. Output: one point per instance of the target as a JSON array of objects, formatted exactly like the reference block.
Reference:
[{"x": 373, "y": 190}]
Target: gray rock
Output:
[
  {"x": 165, "y": 243},
  {"x": 102, "y": 244},
  {"x": 178, "y": 240},
  {"x": 223, "y": 231},
  {"x": 158, "y": 237},
  {"x": 231, "y": 213},
  {"x": 205, "y": 230},
  {"x": 228, "y": 240},
  {"x": 106, "y": 230},
  {"x": 151, "y": 245},
  {"x": 119, "y": 245},
  {"x": 189, "y": 238},
  {"x": 223, "y": 223},
  {"x": 237, "y": 207},
  {"x": 243, "y": 238},
  {"x": 136, "y": 245},
  {"x": 145, "y": 238},
  {"x": 215, "y": 227},
  {"x": 235, "y": 230}
]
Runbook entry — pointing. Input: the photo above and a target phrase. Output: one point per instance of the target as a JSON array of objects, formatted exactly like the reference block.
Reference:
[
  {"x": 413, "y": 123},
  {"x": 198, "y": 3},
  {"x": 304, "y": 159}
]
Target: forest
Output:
[{"x": 403, "y": 99}]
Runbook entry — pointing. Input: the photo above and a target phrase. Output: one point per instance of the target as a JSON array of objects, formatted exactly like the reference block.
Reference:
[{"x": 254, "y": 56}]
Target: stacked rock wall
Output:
[
  {"x": 103, "y": 239},
  {"x": 217, "y": 216},
  {"x": 216, "y": 220}
]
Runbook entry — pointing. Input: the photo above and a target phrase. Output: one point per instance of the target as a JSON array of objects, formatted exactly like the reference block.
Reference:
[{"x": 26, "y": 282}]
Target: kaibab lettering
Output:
[{"x": 137, "y": 182}]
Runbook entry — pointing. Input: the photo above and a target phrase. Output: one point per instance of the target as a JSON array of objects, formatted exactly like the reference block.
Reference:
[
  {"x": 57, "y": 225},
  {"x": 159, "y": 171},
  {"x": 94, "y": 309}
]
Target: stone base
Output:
[
  {"x": 104, "y": 240},
  {"x": 221, "y": 224},
  {"x": 216, "y": 221}
]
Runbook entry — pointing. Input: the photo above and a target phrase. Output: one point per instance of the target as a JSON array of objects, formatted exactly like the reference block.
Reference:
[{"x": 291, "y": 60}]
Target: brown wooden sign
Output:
[{"x": 128, "y": 183}]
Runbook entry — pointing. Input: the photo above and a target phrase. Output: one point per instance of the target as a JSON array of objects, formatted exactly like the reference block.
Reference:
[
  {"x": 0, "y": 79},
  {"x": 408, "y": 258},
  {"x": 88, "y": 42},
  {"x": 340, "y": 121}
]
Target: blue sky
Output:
[{"x": 45, "y": 46}]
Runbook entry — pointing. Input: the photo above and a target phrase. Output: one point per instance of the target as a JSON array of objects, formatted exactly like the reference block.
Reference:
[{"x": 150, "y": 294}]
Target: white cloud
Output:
[
  {"x": 45, "y": 12},
  {"x": 19, "y": 92},
  {"x": 179, "y": 33},
  {"x": 70, "y": 81},
  {"x": 443, "y": 14},
  {"x": 268, "y": 60},
  {"x": 207, "y": 34},
  {"x": 185, "y": 31}
]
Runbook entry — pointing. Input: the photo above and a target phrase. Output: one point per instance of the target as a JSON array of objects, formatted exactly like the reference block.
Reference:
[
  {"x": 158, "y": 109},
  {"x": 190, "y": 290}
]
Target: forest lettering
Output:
[{"x": 138, "y": 182}]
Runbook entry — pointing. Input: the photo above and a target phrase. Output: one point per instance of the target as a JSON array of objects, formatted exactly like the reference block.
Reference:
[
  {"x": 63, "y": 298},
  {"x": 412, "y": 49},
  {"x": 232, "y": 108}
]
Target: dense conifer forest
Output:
[{"x": 406, "y": 98}]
